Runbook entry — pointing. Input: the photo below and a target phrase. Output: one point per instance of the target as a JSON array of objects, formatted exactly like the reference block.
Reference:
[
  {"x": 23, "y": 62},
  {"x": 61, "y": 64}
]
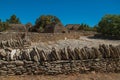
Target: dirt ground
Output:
[{"x": 77, "y": 76}]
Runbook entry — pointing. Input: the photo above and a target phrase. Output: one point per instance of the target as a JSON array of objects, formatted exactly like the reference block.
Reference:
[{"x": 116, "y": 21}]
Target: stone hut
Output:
[
  {"x": 55, "y": 28},
  {"x": 72, "y": 26},
  {"x": 17, "y": 28}
]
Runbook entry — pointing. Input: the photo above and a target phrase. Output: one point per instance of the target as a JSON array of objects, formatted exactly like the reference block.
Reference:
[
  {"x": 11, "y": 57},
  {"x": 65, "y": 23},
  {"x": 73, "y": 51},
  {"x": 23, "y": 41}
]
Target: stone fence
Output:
[
  {"x": 15, "y": 44},
  {"x": 106, "y": 58},
  {"x": 43, "y": 37},
  {"x": 59, "y": 67}
]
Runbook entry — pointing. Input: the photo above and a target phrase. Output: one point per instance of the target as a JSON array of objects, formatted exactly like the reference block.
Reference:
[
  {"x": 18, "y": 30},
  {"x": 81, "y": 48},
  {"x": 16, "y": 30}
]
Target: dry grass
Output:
[{"x": 77, "y": 76}]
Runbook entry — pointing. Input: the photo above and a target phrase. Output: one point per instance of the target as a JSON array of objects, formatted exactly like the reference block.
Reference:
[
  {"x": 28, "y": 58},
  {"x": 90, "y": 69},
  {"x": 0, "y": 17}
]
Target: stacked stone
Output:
[
  {"x": 106, "y": 58},
  {"x": 103, "y": 52},
  {"x": 58, "y": 67},
  {"x": 14, "y": 43},
  {"x": 35, "y": 54}
]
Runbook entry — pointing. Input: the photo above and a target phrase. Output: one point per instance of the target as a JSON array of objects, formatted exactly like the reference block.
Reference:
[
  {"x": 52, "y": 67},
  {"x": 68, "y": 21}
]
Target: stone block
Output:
[
  {"x": 10, "y": 66},
  {"x": 3, "y": 73},
  {"x": 19, "y": 63}
]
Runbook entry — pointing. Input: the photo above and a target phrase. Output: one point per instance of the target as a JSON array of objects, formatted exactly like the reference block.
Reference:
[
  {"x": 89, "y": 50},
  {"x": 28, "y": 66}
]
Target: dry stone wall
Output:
[
  {"x": 14, "y": 43},
  {"x": 43, "y": 37},
  {"x": 34, "y": 61}
]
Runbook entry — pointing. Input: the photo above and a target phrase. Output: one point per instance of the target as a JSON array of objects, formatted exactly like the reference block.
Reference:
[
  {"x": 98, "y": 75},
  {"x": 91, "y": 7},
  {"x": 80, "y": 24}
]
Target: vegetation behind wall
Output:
[{"x": 109, "y": 25}]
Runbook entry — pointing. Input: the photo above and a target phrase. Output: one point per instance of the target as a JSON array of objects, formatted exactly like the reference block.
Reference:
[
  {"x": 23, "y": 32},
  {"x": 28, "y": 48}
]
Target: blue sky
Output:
[{"x": 69, "y": 11}]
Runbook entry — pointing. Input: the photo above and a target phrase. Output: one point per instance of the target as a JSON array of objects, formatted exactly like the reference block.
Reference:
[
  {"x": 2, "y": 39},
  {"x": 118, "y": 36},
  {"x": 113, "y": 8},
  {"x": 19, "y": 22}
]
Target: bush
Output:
[
  {"x": 86, "y": 27},
  {"x": 109, "y": 25},
  {"x": 4, "y": 26}
]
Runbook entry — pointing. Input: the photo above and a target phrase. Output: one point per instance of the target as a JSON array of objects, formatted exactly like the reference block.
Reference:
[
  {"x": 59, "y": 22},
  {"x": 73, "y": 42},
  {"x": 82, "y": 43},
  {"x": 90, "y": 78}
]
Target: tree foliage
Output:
[
  {"x": 110, "y": 25},
  {"x": 44, "y": 20},
  {"x": 4, "y": 26},
  {"x": 86, "y": 27},
  {"x": 13, "y": 20}
]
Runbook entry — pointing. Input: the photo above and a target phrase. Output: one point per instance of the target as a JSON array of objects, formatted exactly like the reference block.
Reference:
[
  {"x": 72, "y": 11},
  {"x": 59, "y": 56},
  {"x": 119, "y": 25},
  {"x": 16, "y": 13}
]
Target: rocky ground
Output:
[
  {"x": 75, "y": 43},
  {"x": 77, "y": 76}
]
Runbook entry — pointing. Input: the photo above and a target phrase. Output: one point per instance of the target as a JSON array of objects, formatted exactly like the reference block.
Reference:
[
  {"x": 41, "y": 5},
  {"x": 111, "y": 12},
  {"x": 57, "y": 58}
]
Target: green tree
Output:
[
  {"x": 13, "y": 20},
  {"x": 85, "y": 27},
  {"x": 0, "y": 20},
  {"x": 110, "y": 25},
  {"x": 44, "y": 20},
  {"x": 0, "y": 24},
  {"x": 95, "y": 28},
  {"x": 4, "y": 26}
]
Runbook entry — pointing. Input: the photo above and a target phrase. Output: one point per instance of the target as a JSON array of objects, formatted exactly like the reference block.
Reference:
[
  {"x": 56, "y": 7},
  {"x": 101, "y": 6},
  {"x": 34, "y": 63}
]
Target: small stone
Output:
[
  {"x": 28, "y": 62},
  {"x": 3, "y": 73},
  {"x": 2, "y": 52},
  {"x": 93, "y": 72},
  {"x": 4, "y": 62},
  {"x": 18, "y": 72},
  {"x": 36, "y": 58},
  {"x": 9, "y": 49},
  {"x": 10, "y": 66},
  {"x": 19, "y": 63},
  {"x": 4, "y": 68}
]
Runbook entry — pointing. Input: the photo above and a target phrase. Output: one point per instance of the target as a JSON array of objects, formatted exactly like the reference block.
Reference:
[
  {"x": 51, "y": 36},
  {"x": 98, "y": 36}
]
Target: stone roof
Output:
[
  {"x": 55, "y": 28},
  {"x": 72, "y": 26},
  {"x": 17, "y": 28}
]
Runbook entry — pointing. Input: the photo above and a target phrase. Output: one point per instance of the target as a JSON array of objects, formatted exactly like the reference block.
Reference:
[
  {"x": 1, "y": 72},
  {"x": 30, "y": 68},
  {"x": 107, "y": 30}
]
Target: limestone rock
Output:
[{"x": 19, "y": 63}]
